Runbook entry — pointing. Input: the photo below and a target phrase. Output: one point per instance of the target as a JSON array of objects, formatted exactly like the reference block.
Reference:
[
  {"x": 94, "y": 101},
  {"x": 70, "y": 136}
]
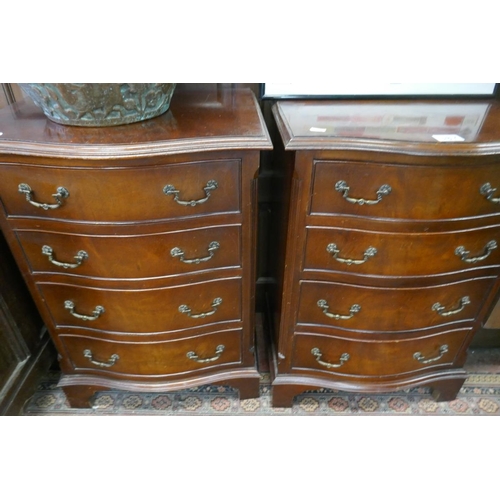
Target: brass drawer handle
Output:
[
  {"x": 463, "y": 253},
  {"x": 323, "y": 304},
  {"x": 421, "y": 358},
  {"x": 112, "y": 360},
  {"x": 186, "y": 310},
  {"x": 61, "y": 194},
  {"x": 70, "y": 306},
  {"x": 211, "y": 185},
  {"x": 334, "y": 251},
  {"x": 342, "y": 187},
  {"x": 488, "y": 191},
  {"x": 317, "y": 354},
  {"x": 177, "y": 252},
  {"x": 441, "y": 309},
  {"x": 79, "y": 257},
  {"x": 218, "y": 351}
]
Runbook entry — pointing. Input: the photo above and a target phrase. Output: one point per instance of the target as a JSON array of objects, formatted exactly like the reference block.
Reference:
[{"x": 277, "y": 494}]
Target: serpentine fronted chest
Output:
[
  {"x": 392, "y": 245},
  {"x": 137, "y": 242}
]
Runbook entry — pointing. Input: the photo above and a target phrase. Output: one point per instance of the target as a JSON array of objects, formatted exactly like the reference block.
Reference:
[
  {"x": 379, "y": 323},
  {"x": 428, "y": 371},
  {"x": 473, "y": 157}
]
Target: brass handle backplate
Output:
[
  {"x": 421, "y": 358},
  {"x": 441, "y": 309},
  {"x": 170, "y": 190},
  {"x": 187, "y": 310},
  {"x": 79, "y": 258},
  {"x": 323, "y": 304},
  {"x": 318, "y": 354},
  {"x": 334, "y": 251},
  {"x": 218, "y": 351},
  {"x": 112, "y": 360},
  {"x": 343, "y": 187},
  {"x": 70, "y": 306},
  {"x": 463, "y": 253},
  {"x": 61, "y": 194},
  {"x": 177, "y": 252}
]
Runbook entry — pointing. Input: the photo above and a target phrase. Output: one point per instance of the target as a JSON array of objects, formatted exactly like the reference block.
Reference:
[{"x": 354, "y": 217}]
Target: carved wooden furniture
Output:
[
  {"x": 391, "y": 259},
  {"x": 25, "y": 348},
  {"x": 138, "y": 242}
]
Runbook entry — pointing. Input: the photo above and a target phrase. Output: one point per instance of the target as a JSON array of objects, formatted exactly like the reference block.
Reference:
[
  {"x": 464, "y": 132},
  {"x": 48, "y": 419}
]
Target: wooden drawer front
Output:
[
  {"x": 133, "y": 256},
  {"x": 401, "y": 254},
  {"x": 390, "y": 309},
  {"x": 123, "y": 194},
  {"x": 425, "y": 193},
  {"x": 373, "y": 357},
  {"x": 144, "y": 311},
  {"x": 152, "y": 358}
]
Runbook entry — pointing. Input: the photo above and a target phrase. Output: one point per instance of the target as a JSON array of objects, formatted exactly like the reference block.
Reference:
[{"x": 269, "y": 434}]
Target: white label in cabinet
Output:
[{"x": 448, "y": 138}]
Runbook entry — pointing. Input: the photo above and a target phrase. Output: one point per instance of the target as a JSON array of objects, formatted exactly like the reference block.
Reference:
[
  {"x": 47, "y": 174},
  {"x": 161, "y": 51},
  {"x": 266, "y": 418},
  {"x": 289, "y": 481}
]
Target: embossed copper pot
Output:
[{"x": 100, "y": 104}]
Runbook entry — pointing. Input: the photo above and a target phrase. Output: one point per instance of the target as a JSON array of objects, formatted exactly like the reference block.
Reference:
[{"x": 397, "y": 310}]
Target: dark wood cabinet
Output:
[
  {"x": 138, "y": 243},
  {"x": 25, "y": 348},
  {"x": 391, "y": 243}
]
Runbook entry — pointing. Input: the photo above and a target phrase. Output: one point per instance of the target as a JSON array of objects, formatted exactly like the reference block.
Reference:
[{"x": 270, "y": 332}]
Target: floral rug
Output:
[{"x": 480, "y": 395}]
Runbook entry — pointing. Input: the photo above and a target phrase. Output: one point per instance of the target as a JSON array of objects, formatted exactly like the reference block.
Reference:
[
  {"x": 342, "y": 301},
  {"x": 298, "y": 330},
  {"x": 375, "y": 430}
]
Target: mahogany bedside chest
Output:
[
  {"x": 138, "y": 242},
  {"x": 391, "y": 243}
]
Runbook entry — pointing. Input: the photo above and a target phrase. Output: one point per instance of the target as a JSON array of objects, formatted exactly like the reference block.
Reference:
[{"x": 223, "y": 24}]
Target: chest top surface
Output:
[
  {"x": 196, "y": 121},
  {"x": 416, "y": 127}
]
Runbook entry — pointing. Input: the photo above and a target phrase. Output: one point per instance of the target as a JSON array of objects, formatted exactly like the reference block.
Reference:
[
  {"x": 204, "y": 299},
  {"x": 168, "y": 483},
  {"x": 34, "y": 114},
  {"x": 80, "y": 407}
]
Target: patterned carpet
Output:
[{"x": 480, "y": 395}]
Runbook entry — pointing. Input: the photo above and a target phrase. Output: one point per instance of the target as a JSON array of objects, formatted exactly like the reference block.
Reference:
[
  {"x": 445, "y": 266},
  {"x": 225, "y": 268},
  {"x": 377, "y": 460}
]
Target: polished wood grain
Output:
[
  {"x": 383, "y": 309},
  {"x": 392, "y": 209},
  {"x": 197, "y": 121},
  {"x": 145, "y": 310},
  {"x": 133, "y": 256},
  {"x": 165, "y": 211},
  {"x": 123, "y": 194},
  {"x": 151, "y": 358},
  {"x": 400, "y": 253},
  {"x": 417, "y": 193},
  {"x": 374, "y": 357}
]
